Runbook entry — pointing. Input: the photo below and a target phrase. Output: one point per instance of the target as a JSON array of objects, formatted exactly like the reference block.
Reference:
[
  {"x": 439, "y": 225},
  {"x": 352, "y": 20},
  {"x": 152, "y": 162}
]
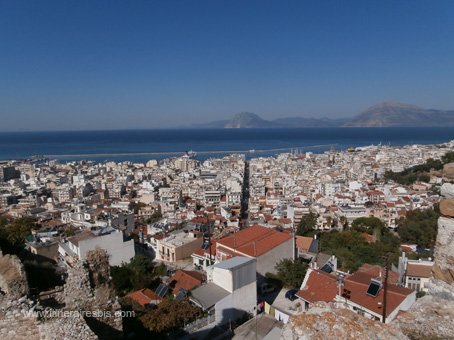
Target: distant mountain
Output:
[
  {"x": 304, "y": 122},
  {"x": 245, "y": 120},
  {"x": 248, "y": 120},
  {"x": 389, "y": 114},
  {"x": 386, "y": 114}
]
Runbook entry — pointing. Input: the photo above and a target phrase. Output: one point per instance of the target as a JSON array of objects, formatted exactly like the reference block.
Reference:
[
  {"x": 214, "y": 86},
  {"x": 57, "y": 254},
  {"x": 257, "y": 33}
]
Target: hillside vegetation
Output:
[{"x": 419, "y": 172}]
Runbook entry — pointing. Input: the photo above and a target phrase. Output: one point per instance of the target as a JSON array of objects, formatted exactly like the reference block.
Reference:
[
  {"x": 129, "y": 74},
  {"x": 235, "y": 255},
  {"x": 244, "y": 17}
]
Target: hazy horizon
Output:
[{"x": 103, "y": 65}]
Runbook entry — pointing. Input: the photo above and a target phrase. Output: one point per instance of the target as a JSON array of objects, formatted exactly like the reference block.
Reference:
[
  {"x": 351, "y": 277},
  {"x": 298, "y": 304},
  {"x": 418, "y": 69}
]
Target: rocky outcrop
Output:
[
  {"x": 447, "y": 207},
  {"x": 448, "y": 171},
  {"x": 431, "y": 317},
  {"x": 447, "y": 190},
  {"x": 444, "y": 250},
  {"x": 324, "y": 322}
]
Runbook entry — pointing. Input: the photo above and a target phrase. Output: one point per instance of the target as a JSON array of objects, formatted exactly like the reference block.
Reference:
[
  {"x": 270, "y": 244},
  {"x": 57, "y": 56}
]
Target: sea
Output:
[{"x": 143, "y": 145}]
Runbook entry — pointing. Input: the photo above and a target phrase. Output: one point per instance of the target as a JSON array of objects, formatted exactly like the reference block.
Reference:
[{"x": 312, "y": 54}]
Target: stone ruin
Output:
[
  {"x": 431, "y": 317},
  {"x": 13, "y": 280},
  {"x": 323, "y": 321},
  {"x": 87, "y": 288}
]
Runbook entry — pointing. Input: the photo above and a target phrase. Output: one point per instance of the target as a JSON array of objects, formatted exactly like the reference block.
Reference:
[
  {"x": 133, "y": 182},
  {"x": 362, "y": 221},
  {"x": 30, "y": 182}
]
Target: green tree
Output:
[
  {"x": 369, "y": 224},
  {"x": 291, "y": 272},
  {"x": 307, "y": 224},
  {"x": 140, "y": 273},
  {"x": 13, "y": 233},
  {"x": 352, "y": 250},
  {"x": 448, "y": 157}
]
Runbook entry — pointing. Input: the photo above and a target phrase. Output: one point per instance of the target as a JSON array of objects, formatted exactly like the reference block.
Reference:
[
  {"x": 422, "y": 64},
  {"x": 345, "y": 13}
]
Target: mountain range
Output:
[{"x": 386, "y": 114}]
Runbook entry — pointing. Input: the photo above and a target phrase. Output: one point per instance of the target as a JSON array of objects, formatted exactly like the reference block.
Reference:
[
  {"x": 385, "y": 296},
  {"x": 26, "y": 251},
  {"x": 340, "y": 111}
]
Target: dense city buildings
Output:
[{"x": 222, "y": 228}]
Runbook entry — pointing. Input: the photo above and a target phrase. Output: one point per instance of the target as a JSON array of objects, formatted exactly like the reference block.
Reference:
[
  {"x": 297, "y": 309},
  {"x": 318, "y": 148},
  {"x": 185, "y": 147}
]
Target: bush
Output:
[{"x": 170, "y": 315}]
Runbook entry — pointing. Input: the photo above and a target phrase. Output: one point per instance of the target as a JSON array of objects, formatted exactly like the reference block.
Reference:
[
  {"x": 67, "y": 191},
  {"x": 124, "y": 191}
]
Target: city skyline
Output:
[{"x": 112, "y": 65}]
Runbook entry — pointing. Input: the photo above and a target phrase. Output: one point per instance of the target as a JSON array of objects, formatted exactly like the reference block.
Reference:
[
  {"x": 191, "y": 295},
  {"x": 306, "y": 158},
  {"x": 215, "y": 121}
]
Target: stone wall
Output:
[
  {"x": 87, "y": 288},
  {"x": 13, "y": 279},
  {"x": 25, "y": 319}
]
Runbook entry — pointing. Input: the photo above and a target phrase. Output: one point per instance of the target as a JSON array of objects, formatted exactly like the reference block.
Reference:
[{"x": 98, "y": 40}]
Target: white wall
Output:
[
  {"x": 405, "y": 305},
  {"x": 233, "y": 306},
  {"x": 118, "y": 250},
  {"x": 237, "y": 278},
  {"x": 223, "y": 278}
]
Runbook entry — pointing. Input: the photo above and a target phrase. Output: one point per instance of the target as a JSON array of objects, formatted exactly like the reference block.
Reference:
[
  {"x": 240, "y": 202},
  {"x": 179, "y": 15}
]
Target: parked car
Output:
[{"x": 291, "y": 294}]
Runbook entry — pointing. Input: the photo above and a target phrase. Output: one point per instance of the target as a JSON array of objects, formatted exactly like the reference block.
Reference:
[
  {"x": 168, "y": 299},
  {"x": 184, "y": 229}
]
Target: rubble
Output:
[{"x": 325, "y": 322}]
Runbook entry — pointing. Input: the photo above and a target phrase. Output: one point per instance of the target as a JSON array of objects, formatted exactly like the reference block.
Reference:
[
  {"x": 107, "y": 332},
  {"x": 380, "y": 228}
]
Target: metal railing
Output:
[{"x": 199, "y": 323}]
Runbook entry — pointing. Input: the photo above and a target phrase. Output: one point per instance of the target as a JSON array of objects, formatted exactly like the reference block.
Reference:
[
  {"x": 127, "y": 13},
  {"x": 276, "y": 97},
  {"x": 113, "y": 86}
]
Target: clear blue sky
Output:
[{"x": 143, "y": 64}]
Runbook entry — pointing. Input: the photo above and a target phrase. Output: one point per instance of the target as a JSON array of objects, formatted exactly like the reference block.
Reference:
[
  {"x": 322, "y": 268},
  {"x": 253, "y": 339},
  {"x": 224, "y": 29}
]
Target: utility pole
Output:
[
  {"x": 209, "y": 240},
  {"x": 385, "y": 291}
]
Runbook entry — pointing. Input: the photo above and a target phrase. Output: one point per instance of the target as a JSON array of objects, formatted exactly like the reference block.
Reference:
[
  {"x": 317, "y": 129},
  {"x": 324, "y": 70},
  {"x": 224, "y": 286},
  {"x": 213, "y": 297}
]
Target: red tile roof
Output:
[
  {"x": 144, "y": 296},
  {"x": 358, "y": 288},
  {"x": 253, "y": 241},
  {"x": 188, "y": 280},
  {"x": 419, "y": 270},
  {"x": 366, "y": 271},
  {"x": 303, "y": 243},
  {"x": 320, "y": 286}
]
